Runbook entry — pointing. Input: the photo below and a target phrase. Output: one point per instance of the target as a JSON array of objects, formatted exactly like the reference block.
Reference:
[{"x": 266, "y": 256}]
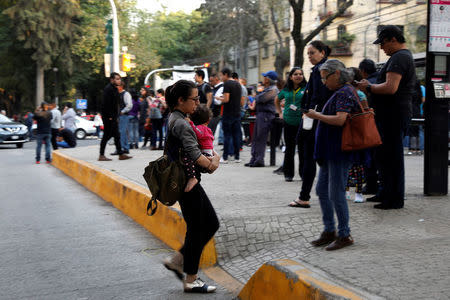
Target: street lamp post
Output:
[
  {"x": 365, "y": 35},
  {"x": 55, "y": 69},
  {"x": 116, "y": 43}
]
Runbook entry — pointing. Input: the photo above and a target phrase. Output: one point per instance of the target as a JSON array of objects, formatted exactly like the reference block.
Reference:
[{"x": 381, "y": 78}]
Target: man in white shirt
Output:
[
  {"x": 217, "y": 94},
  {"x": 55, "y": 124},
  {"x": 69, "y": 117},
  {"x": 125, "y": 106}
]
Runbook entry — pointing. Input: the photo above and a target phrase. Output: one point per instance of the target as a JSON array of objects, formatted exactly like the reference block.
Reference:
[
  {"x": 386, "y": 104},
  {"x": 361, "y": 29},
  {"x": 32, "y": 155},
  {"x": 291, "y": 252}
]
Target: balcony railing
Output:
[
  {"x": 332, "y": 8},
  {"x": 341, "y": 50}
]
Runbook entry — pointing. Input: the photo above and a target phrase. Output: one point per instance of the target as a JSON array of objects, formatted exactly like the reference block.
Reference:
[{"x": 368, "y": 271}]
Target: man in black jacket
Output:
[
  {"x": 43, "y": 118},
  {"x": 110, "y": 114}
]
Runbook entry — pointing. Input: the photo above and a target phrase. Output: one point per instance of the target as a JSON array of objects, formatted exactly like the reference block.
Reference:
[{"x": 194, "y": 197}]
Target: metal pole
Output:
[
  {"x": 116, "y": 41},
  {"x": 56, "y": 85}
]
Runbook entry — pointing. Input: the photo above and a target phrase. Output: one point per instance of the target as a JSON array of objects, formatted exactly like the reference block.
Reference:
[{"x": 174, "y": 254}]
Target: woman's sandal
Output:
[{"x": 298, "y": 203}]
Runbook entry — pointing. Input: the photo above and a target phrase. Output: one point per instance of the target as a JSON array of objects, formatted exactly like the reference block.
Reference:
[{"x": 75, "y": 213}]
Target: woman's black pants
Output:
[
  {"x": 202, "y": 223},
  {"x": 290, "y": 140},
  {"x": 307, "y": 141}
]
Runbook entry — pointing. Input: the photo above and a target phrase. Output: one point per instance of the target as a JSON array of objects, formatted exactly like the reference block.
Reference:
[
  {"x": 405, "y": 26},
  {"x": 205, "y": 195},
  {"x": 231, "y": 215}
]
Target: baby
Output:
[{"x": 199, "y": 121}]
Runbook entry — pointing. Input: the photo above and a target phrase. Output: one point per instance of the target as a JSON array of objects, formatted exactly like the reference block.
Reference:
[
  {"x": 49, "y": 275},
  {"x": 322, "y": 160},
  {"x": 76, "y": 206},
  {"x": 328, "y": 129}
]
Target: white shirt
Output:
[
  {"x": 56, "y": 118},
  {"x": 219, "y": 93},
  {"x": 128, "y": 102}
]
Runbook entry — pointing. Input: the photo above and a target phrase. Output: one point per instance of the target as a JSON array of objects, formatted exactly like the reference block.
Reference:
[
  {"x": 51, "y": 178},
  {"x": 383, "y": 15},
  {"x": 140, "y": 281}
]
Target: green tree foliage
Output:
[{"x": 231, "y": 23}]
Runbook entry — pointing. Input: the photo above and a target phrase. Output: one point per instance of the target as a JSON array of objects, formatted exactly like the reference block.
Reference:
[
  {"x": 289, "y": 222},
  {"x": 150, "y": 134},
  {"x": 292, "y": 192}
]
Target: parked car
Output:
[
  {"x": 83, "y": 128},
  {"x": 12, "y": 132}
]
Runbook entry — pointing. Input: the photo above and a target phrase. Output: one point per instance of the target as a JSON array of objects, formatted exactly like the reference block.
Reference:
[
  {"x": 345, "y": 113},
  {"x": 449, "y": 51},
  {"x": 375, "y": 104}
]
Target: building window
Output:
[
  {"x": 252, "y": 61},
  {"x": 287, "y": 19},
  {"x": 265, "y": 51},
  {"x": 422, "y": 34},
  {"x": 341, "y": 30}
]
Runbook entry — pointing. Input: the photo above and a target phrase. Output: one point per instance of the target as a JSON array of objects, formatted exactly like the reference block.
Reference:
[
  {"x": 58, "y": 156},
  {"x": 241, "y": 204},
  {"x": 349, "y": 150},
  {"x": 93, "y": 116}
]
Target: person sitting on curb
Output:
[{"x": 66, "y": 138}]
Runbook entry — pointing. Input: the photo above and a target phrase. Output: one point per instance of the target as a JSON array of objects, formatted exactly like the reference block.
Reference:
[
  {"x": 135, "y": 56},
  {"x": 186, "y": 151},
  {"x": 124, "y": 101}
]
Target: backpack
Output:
[{"x": 166, "y": 180}]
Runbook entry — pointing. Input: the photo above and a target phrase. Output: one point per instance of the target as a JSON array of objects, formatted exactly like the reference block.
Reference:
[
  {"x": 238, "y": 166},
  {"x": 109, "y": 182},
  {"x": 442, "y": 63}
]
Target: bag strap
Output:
[
  {"x": 357, "y": 98},
  {"x": 153, "y": 205}
]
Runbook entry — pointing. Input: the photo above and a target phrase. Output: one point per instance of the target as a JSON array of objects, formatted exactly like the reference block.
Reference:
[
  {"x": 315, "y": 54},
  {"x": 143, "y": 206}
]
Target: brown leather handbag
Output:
[{"x": 360, "y": 131}]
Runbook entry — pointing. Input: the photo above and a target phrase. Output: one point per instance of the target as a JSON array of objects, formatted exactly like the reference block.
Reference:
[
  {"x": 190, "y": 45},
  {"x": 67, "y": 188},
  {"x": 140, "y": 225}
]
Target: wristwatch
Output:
[{"x": 369, "y": 88}]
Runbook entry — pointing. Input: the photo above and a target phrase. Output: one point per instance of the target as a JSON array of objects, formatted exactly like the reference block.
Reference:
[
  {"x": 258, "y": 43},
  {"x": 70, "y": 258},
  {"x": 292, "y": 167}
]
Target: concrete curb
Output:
[
  {"x": 288, "y": 279},
  {"x": 167, "y": 223}
]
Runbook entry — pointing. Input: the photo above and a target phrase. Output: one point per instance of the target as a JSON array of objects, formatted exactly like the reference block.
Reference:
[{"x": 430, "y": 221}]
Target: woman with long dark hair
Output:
[
  {"x": 316, "y": 95},
  {"x": 201, "y": 219},
  {"x": 292, "y": 94}
]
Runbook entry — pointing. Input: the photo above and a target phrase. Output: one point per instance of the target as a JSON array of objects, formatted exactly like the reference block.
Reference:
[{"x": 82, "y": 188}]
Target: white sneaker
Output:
[
  {"x": 348, "y": 196},
  {"x": 198, "y": 286},
  {"x": 359, "y": 198},
  {"x": 238, "y": 161},
  {"x": 223, "y": 161}
]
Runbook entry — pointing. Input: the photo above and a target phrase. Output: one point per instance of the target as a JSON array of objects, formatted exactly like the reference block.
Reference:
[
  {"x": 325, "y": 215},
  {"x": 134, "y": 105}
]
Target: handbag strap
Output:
[{"x": 357, "y": 98}]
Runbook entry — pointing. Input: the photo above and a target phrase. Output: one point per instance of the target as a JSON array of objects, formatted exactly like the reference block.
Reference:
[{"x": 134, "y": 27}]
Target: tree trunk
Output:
[{"x": 39, "y": 83}]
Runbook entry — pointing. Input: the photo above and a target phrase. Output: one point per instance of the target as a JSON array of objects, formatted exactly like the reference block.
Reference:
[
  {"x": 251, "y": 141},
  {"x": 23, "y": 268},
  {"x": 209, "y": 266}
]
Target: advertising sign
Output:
[
  {"x": 439, "y": 26},
  {"x": 81, "y": 104}
]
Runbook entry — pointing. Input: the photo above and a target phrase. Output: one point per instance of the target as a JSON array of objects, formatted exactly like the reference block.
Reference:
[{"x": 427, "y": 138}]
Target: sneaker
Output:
[
  {"x": 48, "y": 161},
  {"x": 359, "y": 198},
  {"x": 348, "y": 196},
  {"x": 223, "y": 161},
  {"x": 238, "y": 161},
  {"x": 175, "y": 264},
  {"x": 198, "y": 286},
  {"x": 38, "y": 162}
]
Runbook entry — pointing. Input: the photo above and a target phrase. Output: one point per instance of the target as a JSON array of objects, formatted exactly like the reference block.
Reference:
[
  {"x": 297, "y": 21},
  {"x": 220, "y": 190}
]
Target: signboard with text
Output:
[
  {"x": 439, "y": 26},
  {"x": 81, "y": 104}
]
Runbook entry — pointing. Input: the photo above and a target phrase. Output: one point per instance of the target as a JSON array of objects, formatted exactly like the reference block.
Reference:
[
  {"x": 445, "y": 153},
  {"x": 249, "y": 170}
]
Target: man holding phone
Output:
[{"x": 392, "y": 95}]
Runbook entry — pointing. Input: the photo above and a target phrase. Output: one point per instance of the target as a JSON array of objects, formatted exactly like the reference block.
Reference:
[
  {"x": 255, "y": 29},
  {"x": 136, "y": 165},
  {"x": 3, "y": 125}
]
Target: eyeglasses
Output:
[
  {"x": 195, "y": 99},
  {"x": 326, "y": 77}
]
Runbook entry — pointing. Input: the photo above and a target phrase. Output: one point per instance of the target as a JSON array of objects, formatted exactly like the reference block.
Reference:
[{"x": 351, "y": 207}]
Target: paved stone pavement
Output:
[{"x": 398, "y": 254}]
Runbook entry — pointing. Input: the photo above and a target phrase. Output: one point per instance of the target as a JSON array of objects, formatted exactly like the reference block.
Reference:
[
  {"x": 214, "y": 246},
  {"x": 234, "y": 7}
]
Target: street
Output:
[{"x": 60, "y": 241}]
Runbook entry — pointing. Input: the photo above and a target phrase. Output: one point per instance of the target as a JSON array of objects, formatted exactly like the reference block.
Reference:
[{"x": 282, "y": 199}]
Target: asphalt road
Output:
[{"x": 59, "y": 241}]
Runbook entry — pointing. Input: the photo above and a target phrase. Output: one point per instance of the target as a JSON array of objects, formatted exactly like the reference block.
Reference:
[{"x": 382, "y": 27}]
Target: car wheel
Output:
[
  {"x": 19, "y": 145},
  {"x": 80, "y": 134}
]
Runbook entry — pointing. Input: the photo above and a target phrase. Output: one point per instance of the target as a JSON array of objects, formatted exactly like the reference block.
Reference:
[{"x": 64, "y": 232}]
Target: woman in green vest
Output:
[{"x": 292, "y": 95}]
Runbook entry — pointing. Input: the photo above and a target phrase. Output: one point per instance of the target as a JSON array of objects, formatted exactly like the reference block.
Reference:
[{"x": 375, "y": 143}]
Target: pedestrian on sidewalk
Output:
[
  {"x": 55, "y": 123},
  {"x": 292, "y": 94},
  {"x": 125, "y": 105},
  {"x": 392, "y": 96},
  {"x": 201, "y": 219},
  {"x": 98, "y": 123},
  {"x": 110, "y": 115},
  {"x": 265, "y": 113},
  {"x": 156, "y": 107},
  {"x": 133, "y": 125},
  {"x": 334, "y": 163},
  {"x": 68, "y": 117},
  {"x": 316, "y": 95},
  {"x": 43, "y": 117},
  {"x": 144, "y": 101}
]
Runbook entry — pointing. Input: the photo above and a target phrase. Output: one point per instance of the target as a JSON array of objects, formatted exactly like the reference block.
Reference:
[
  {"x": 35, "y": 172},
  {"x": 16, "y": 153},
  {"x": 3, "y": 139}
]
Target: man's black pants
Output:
[
  {"x": 110, "y": 129},
  {"x": 53, "y": 139}
]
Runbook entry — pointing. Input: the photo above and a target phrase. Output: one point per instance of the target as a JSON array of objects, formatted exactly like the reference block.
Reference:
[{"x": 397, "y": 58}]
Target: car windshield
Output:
[{"x": 4, "y": 119}]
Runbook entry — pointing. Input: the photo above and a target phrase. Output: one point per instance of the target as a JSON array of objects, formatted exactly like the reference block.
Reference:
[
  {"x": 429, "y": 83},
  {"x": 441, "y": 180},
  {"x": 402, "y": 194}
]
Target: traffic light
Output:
[
  {"x": 125, "y": 62},
  {"x": 109, "y": 36}
]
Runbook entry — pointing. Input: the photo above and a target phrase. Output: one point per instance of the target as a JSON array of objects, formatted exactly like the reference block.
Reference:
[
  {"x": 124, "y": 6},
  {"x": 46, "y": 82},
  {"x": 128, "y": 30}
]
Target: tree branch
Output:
[{"x": 328, "y": 21}]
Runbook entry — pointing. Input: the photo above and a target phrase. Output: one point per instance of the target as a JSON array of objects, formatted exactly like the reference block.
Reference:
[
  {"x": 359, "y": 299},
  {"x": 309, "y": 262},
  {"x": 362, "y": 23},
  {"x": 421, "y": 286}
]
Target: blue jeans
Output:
[
  {"x": 232, "y": 132},
  {"x": 43, "y": 137},
  {"x": 133, "y": 129},
  {"x": 123, "y": 128},
  {"x": 330, "y": 188}
]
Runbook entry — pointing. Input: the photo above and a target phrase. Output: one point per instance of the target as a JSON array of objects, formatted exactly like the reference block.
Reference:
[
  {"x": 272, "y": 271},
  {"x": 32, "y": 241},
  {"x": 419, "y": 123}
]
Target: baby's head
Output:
[{"x": 201, "y": 115}]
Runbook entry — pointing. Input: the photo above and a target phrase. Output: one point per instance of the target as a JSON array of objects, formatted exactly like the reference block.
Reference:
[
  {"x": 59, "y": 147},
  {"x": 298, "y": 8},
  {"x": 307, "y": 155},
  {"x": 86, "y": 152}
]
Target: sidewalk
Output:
[{"x": 398, "y": 254}]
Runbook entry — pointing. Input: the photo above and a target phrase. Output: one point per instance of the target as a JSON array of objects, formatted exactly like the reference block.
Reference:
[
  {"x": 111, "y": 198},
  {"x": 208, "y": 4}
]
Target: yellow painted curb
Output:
[
  {"x": 288, "y": 279},
  {"x": 167, "y": 223}
]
